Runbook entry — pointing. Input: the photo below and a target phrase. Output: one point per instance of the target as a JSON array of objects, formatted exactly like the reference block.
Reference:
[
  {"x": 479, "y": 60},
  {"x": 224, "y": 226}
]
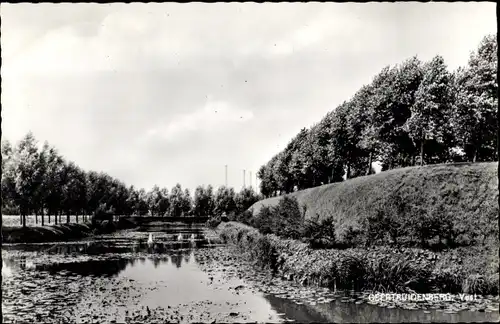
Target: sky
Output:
[{"x": 166, "y": 93}]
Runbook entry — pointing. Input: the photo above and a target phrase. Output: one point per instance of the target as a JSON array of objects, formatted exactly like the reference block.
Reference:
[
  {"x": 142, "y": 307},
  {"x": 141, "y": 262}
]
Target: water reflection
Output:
[
  {"x": 162, "y": 244},
  {"x": 107, "y": 267},
  {"x": 338, "y": 312},
  {"x": 168, "y": 274}
]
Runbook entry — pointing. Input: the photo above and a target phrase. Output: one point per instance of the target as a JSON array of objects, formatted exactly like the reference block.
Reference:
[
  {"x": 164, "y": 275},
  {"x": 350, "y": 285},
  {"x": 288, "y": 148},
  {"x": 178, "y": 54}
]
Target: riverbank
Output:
[
  {"x": 61, "y": 232},
  {"x": 471, "y": 270}
]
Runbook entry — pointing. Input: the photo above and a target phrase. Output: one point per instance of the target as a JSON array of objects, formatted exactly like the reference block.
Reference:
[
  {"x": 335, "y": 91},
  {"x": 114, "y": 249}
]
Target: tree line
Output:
[
  {"x": 412, "y": 113},
  {"x": 42, "y": 182}
]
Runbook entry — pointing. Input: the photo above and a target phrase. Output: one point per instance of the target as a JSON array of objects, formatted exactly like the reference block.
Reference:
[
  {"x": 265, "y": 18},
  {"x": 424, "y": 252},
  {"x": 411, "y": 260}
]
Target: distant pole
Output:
[
  {"x": 243, "y": 178},
  {"x": 250, "y": 179},
  {"x": 256, "y": 184},
  {"x": 226, "y": 175}
]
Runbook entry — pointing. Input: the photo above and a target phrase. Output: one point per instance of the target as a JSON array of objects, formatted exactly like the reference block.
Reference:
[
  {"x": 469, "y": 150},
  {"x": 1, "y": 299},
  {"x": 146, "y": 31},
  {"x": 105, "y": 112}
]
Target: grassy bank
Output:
[
  {"x": 453, "y": 203},
  {"x": 61, "y": 232},
  {"x": 382, "y": 269}
]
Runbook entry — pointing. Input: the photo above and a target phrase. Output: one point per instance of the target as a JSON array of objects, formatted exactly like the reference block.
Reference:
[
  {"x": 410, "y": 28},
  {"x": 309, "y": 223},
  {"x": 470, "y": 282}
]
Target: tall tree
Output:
[
  {"x": 28, "y": 178},
  {"x": 9, "y": 194},
  {"x": 433, "y": 101},
  {"x": 203, "y": 204},
  {"x": 187, "y": 203},
  {"x": 224, "y": 201},
  {"x": 474, "y": 117},
  {"x": 154, "y": 199},
  {"x": 177, "y": 203},
  {"x": 164, "y": 203},
  {"x": 245, "y": 199}
]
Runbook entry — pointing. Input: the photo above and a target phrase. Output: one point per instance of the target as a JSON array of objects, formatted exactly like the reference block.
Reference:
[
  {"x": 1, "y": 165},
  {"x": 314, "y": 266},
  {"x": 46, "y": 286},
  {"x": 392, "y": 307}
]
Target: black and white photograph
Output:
[{"x": 242, "y": 162}]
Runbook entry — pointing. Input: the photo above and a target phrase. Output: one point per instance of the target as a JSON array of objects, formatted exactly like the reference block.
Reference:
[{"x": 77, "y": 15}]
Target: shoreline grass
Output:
[
  {"x": 60, "y": 232},
  {"x": 471, "y": 270}
]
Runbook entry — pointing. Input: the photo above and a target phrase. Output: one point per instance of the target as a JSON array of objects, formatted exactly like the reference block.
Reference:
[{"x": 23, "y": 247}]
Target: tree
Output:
[
  {"x": 474, "y": 113},
  {"x": 79, "y": 192},
  {"x": 433, "y": 101},
  {"x": 70, "y": 192},
  {"x": 339, "y": 149},
  {"x": 164, "y": 203},
  {"x": 245, "y": 199},
  {"x": 224, "y": 201},
  {"x": 204, "y": 203},
  {"x": 177, "y": 203},
  {"x": 9, "y": 194},
  {"x": 267, "y": 184},
  {"x": 187, "y": 203},
  {"x": 27, "y": 176},
  {"x": 153, "y": 199},
  {"x": 298, "y": 159}
]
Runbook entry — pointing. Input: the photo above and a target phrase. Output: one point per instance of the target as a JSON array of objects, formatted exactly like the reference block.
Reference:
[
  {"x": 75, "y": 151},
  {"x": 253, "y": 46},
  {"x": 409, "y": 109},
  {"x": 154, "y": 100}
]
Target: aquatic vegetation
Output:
[{"x": 382, "y": 269}]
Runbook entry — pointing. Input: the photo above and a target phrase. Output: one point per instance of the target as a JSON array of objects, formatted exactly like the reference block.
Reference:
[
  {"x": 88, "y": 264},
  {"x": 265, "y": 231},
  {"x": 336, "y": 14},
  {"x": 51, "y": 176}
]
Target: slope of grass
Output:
[{"x": 464, "y": 196}]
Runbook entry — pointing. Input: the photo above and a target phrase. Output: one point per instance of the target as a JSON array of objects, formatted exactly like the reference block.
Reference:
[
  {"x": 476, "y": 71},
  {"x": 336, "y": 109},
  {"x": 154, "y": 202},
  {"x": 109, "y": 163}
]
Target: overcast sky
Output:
[{"x": 167, "y": 93}]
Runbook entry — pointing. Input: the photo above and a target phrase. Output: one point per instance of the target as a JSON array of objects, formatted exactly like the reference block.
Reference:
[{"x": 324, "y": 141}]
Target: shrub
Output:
[
  {"x": 319, "y": 234},
  {"x": 394, "y": 274},
  {"x": 265, "y": 253},
  {"x": 353, "y": 236},
  {"x": 214, "y": 221},
  {"x": 264, "y": 220},
  {"x": 245, "y": 217},
  {"x": 288, "y": 218}
]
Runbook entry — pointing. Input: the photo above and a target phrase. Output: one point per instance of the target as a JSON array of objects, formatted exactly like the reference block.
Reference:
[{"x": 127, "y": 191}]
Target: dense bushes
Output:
[{"x": 381, "y": 269}]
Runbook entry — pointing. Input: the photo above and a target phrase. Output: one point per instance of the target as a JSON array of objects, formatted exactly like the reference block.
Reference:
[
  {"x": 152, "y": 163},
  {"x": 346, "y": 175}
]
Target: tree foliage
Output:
[{"x": 411, "y": 113}]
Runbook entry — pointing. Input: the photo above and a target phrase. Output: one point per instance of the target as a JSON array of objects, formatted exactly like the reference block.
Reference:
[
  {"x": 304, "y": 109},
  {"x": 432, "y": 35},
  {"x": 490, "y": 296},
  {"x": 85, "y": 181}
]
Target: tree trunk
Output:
[
  {"x": 43, "y": 217},
  {"x": 55, "y": 217},
  {"x": 49, "y": 216},
  {"x": 24, "y": 220},
  {"x": 67, "y": 218},
  {"x": 77, "y": 218},
  {"x": 369, "y": 169},
  {"x": 21, "y": 219},
  {"x": 474, "y": 157},
  {"x": 413, "y": 160},
  {"x": 36, "y": 218},
  {"x": 422, "y": 152},
  {"x": 348, "y": 174}
]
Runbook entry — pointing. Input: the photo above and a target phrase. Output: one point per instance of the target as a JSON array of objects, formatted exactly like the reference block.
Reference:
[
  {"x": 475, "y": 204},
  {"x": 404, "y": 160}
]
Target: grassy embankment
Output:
[
  {"x": 61, "y": 232},
  {"x": 424, "y": 229}
]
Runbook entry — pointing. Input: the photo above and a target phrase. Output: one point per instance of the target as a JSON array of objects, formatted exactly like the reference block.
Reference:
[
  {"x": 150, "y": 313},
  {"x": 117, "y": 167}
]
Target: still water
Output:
[{"x": 184, "y": 275}]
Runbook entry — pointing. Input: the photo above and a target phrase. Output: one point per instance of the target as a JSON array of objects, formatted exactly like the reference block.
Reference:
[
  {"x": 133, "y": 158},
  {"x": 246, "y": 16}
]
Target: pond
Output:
[{"x": 186, "y": 275}]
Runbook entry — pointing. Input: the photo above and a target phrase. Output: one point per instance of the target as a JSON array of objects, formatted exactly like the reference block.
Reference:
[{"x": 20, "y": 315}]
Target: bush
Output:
[
  {"x": 284, "y": 220},
  {"x": 265, "y": 253},
  {"x": 264, "y": 220},
  {"x": 288, "y": 218},
  {"x": 214, "y": 221},
  {"x": 319, "y": 234},
  {"x": 245, "y": 217}
]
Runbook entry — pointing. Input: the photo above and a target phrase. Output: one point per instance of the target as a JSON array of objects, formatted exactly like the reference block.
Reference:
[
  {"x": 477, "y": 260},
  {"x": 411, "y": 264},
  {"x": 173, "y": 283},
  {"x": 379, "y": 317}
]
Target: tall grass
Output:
[{"x": 377, "y": 269}]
